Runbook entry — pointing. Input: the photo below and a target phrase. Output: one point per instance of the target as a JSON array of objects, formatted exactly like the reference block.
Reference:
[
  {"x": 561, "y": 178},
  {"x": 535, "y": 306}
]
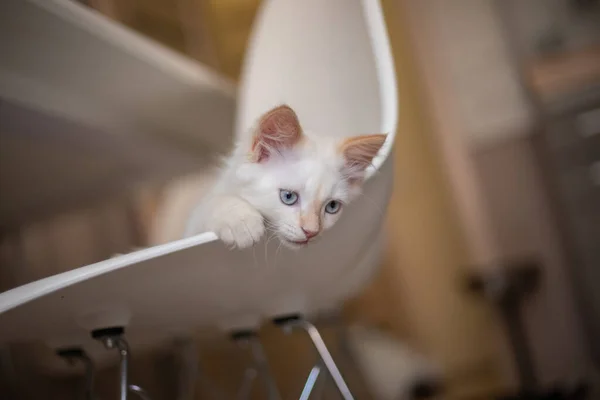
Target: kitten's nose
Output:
[{"x": 310, "y": 234}]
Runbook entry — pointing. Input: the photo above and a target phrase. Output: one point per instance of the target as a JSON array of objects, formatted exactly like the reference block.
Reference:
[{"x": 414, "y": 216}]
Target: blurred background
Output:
[{"x": 492, "y": 268}]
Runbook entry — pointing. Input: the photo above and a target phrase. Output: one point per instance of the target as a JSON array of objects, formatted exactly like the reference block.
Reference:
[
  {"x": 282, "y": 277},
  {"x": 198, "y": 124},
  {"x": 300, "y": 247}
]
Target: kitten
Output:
[{"x": 283, "y": 178}]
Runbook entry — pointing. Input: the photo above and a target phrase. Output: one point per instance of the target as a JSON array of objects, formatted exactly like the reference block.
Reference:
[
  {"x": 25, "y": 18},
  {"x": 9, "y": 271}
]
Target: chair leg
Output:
[
  {"x": 311, "y": 382},
  {"x": 249, "y": 339},
  {"x": 113, "y": 338},
  {"x": 74, "y": 354},
  {"x": 142, "y": 394},
  {"x": 245, "y": 390},
  {"x": 289, "y": 324},
  {"x": 187, "y": 366}
]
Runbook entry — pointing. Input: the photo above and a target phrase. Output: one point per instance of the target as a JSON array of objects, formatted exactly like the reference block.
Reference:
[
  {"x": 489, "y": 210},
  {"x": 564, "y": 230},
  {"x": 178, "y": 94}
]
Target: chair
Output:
[{"x": 329, "y": 60}]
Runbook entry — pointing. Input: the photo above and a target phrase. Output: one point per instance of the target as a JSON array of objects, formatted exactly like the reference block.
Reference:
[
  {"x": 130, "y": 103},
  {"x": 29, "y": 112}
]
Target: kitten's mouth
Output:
[
  {"x": 300, "y": 242},
  {"x": 296, "y": 243}
]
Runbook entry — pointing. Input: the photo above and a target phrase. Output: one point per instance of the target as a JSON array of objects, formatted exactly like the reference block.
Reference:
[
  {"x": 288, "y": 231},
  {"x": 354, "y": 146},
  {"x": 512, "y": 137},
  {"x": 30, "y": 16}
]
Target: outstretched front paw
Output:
[{"x": 236, "y": 222}]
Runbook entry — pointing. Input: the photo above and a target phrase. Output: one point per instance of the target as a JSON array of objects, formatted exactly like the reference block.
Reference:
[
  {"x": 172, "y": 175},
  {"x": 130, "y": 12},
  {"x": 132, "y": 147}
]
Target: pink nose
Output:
[{"x": 309, "y": 234}]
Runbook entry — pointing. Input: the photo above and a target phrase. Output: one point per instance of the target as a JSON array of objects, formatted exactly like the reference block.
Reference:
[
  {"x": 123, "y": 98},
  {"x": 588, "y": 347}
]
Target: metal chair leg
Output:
[
  {"x": 249, "y": 339},
  {"x": 245, "y": 390},
  {"x": 113, "y": 338},
  {"x": 187, "y": 365},
  {"x": 311, "y": 382},
  {"x": 74, "y": 354},
  {"x": 290, "y": 323},
  {"x": 123, "y": 347},
  {"x": 142, "y": 394}
]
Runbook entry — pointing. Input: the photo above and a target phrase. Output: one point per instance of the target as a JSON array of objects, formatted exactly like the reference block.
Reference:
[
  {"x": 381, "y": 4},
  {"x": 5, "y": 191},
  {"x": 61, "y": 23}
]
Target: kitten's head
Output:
[{"x": 302, "y": 182}]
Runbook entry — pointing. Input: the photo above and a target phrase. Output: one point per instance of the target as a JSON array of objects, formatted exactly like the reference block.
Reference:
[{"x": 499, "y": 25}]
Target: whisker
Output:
[
  {"x": 266, "y": 253},
  {"x": 254, "y": 257},
  {"x": 269, "y": 238},
  {"x": 277, "y": 251}
]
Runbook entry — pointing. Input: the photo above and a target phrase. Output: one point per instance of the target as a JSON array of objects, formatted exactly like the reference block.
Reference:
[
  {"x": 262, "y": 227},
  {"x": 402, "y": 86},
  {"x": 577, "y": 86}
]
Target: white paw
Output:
[{"x": 235, "y": 222}]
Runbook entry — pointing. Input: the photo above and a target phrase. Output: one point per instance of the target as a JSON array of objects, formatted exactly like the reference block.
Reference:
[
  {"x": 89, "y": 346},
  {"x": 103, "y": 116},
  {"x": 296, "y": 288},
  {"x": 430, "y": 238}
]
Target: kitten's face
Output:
[{"x": 301, "y": 182}]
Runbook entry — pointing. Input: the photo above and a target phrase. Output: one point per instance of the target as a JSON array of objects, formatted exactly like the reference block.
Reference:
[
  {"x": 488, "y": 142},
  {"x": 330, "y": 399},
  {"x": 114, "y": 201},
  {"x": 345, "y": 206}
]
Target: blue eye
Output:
[
  {"x": 288, "y": 197},
  {"x": 333, "y": 207}
]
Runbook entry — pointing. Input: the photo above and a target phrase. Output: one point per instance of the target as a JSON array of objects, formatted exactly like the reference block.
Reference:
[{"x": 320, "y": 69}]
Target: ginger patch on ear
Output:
[
  {"x": 277, "y": 129},
  {"x": 359, "y": 151}
]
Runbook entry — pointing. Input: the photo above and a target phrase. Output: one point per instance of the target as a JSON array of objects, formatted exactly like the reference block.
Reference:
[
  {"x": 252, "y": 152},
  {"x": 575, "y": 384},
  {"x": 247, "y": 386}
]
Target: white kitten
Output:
[{"x": 285, "y": 179}]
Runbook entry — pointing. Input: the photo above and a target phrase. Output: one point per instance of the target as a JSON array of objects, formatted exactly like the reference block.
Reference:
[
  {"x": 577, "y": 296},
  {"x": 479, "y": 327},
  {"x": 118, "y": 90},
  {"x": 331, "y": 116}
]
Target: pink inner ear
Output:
[
  {"x": 359, "y": 152},
  {"x": 278, "y": 129}
]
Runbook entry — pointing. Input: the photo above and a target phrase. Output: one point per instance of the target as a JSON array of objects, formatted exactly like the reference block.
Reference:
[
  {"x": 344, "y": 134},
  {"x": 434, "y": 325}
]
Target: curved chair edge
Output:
[
  {"x": 30, "y": 291},
  {"x": 384, "y": 63}
]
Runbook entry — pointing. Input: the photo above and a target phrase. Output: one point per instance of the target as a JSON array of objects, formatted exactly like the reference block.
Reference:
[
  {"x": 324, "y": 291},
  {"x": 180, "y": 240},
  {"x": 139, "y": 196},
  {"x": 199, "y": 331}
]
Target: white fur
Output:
[{"x": 246, "y": 192}]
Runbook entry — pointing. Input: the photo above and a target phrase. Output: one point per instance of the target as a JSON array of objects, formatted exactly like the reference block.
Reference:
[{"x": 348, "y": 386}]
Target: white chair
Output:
[{"x": 330, "y": 60}]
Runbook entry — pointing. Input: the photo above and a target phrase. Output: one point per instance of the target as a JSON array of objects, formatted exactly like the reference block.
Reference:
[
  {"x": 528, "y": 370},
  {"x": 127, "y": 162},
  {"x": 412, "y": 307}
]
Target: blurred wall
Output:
[
  {"x": 213, "y": 32},
  {"x": 544, "y": 26}
]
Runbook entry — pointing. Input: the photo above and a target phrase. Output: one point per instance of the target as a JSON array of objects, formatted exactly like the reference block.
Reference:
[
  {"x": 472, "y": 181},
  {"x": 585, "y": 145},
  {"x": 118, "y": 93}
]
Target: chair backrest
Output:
[{"x": 329, "y": 60}]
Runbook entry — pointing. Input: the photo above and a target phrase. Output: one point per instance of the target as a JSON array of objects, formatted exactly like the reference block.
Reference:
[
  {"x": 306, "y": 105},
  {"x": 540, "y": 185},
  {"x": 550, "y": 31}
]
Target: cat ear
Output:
[
  {"x": 359, "y": 152},
  {"x": 277, "y": 130}
]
